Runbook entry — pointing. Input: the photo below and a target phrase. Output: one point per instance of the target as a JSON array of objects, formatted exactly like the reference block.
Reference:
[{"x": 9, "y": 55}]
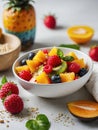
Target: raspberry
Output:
[
  {"x": 54, "y": 61},
  {"x": 74, "y": 67},
  {"x": 13, "y": 104},
  {"x": 45, "y": 51},
  {"x": 26, "y": 75},
  {"x": 48, "y": 69},
  {"x": 7, "y": 89}
]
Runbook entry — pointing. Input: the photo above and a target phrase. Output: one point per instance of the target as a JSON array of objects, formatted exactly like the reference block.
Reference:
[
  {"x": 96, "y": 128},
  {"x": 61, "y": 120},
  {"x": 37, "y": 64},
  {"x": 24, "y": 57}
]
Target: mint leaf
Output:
[
  {"x": 60, "y": 53},
  {"x": 4, "y": 80},
  {"x": 43, "y": 122},
  {"x": 68, "y": 58},
  {"x": 32, "y": 125},
  {"x": 40, "y": 123}
]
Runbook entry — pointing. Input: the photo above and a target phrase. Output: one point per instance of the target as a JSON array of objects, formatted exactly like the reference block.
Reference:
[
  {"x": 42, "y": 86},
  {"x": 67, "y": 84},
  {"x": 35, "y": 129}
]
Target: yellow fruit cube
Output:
[
  {"x": 32, "y": 65},
  {"x": 53, "y": 51},
  {"x": 21, "y": 68},
  {"x": 73, "y": 55},
  {"x": 43, "y": 78},
  {"x": 67, "y": 77},
  {"x": 40, "y": 57},
  {"x": 80, "y": 62}
]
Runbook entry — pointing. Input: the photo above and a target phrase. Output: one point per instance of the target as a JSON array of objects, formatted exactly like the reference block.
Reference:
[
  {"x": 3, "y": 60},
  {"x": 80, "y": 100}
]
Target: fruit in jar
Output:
[
  {"x": 50, "y": 21},
  {"x": 80, "y": 34},
  {"x": 84, "y": 109},
  {"x": 93, "y": 53},
  {"x": 19, "y": 19}
]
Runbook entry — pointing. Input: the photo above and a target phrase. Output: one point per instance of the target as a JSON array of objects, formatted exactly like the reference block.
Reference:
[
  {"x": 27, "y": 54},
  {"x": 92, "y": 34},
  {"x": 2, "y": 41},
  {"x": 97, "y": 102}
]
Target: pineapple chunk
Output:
[
  {"x": 80, "y": 62},
  {"x": 40, "y": 57},
  {"x": 43, "y": 78},
  {"x": 67, "y": 77},
  {"x": 21, "y": 68},
  {"x": 32, "y": 64},
  {"x": 53, "y": 51},
  {"x": 73, "y": 55}
]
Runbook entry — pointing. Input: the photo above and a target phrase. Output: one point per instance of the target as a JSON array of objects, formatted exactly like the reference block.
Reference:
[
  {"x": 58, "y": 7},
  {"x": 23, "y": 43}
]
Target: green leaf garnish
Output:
[
  {"x": 40, "y": 123},
  {"x": 60, "y": 53},
  {"x": 68, "y": 58},
  {"x": 3, "y": 81}
]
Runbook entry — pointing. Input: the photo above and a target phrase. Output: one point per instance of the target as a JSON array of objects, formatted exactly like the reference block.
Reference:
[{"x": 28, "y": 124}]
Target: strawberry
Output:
[
  {"x": 13, "y": 104},
  {"x": 93, "y": 53},
  {"x": 7, "y": 89},
  {"x": 26, "y": 75},
  {"x": 50, "y": 21},
  {"x": 54, "y": 60}
]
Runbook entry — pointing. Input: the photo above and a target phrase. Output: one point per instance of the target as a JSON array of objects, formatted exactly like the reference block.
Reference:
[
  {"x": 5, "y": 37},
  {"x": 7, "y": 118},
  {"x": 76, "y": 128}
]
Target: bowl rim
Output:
[
  {"x": 53, "y": 84},
  {"x": 15, "y": 48}
]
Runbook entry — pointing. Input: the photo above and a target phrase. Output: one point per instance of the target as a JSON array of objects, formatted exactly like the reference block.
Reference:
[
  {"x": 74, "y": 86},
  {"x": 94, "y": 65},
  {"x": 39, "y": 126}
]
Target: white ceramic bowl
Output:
[{"x": 59, "y": 89}]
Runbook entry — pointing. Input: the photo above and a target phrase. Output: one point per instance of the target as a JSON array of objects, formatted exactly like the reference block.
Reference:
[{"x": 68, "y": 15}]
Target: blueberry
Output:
[
  {"x": 82, "y": 72},
  {"x": 23, "y": 62},
  {"x": 31, "y": 55},
  {"x": 55, "y": 79}
]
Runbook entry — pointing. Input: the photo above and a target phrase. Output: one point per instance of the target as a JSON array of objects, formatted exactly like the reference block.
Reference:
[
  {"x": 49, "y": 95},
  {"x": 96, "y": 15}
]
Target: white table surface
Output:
[{"x": 68, "y": 13}]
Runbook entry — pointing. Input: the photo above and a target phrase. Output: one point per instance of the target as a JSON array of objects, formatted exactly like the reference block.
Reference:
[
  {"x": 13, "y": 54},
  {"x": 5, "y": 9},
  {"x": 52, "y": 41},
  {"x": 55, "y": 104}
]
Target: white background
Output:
[{"x": 68, "y": 13}]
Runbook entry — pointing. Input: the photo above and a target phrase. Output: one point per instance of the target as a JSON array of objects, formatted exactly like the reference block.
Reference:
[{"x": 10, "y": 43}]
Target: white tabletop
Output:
[{"x": 68, "y": 13}]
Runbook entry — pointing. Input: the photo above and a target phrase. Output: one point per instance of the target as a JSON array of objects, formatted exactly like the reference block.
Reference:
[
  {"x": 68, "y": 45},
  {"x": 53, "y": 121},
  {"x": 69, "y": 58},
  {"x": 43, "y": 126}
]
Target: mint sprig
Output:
[
  {"x": 3, "y": 81},
  {"x": 40, "y": 123},
  {"x": 65, "y": 58},
  {"x": 68, "y": 58}
]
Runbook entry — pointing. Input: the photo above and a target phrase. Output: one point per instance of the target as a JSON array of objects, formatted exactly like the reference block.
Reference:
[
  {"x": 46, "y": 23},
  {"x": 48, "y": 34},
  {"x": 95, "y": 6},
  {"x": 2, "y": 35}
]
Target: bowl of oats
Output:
[{"x": 10, "y": 47}]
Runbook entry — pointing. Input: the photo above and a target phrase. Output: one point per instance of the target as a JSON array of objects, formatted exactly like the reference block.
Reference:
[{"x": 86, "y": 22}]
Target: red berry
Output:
[
  {"x": 26, "y": 75},
  {"x": 74, "y": 67},
  {"x": 48, "y": 69},
  {"x": 45, "y": 51},
  {"x": 50, "y": 21},
  {"x": 7, "y": 89},
  {"x": 54, "y": 61},
  {"x": 13, "y": 104},
  {"x": 93, "y": 53}
]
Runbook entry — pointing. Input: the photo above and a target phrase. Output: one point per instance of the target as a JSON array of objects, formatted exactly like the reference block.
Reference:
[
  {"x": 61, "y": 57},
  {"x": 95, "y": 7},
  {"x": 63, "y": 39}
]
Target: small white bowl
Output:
[
  {"x": 12, "y": 47},
  {"x": 59, "y": 89}
]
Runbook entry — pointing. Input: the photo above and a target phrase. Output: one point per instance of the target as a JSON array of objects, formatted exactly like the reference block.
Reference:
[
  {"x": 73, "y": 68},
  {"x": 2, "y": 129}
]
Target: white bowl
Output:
[{"x": 59, "y": 89}]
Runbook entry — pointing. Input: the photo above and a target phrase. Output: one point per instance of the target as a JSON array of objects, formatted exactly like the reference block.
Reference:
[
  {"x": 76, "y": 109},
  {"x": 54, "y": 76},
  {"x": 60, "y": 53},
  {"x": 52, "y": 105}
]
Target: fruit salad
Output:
[{"x": 51, "y": 66}]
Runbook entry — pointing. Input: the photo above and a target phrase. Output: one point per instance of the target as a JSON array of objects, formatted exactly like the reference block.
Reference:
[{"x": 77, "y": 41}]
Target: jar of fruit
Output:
[{"x": 19, "y": 19}]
